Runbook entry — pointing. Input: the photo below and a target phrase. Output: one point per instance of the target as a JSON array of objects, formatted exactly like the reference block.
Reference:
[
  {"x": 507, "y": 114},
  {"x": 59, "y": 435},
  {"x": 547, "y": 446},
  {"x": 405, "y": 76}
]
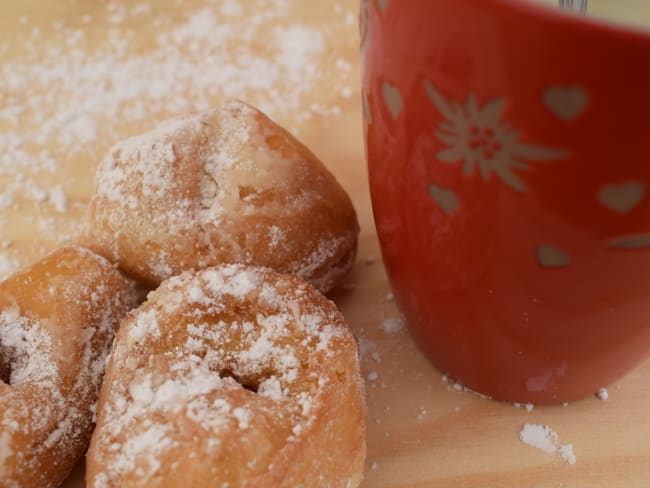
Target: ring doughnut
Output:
[
  {"x": 224, "y": 186},
  {"x": 232, "y": 376},
  {"x": 57, "y": 321}
]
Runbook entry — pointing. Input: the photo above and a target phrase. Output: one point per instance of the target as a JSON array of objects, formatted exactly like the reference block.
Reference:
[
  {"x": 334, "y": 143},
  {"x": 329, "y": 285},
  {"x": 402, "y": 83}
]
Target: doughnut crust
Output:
[
  {"x": 233, "y": 376},
  {"x": 224, "y": 186},
  {"x": 57, "y": 321}
]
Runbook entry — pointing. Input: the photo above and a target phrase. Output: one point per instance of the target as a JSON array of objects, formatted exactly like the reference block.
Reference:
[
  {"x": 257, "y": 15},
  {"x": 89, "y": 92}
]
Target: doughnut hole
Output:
[{"x": 5, "y": 369}]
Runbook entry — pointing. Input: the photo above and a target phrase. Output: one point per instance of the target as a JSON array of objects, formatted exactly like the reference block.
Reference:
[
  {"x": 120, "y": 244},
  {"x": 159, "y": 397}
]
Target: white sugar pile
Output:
[
  {"x": 602, "y": 394},
  {"x": 545, "y": 439}
]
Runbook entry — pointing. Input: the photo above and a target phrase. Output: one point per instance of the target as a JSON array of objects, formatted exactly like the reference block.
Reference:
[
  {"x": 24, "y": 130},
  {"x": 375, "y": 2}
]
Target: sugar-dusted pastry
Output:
[
  {"x": 233, "y": 376},
  {"x": 57, "y": 320},
  {"x": 224, "y": 186}
]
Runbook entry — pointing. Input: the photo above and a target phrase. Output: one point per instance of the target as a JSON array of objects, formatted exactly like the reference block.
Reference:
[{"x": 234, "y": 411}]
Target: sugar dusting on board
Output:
[
  {"x": 545, "y": 439},
  {"x": 190, "y": 65},
  {"x": 392, "y": 325},
  {"x": 131, "y": 66},
  {"x": 8, "y": 265}
]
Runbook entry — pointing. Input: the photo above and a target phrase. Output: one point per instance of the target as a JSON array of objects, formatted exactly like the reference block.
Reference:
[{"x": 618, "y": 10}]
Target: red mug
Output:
[{"x": 508, "y": 149}]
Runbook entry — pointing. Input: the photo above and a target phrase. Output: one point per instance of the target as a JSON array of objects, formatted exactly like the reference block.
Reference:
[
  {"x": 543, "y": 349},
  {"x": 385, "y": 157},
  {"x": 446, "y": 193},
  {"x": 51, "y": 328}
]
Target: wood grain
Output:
[{"x": 421, "y": 431}]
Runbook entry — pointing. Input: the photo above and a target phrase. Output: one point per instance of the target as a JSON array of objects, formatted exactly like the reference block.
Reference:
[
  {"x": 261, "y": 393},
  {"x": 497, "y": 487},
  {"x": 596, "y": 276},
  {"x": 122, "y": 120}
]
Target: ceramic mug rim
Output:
[{"x": 581, "y": 24}]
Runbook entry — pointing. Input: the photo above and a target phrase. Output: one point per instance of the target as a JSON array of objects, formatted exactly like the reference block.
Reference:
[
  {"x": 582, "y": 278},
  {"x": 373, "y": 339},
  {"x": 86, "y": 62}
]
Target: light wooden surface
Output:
[{"x": 421, "y": 432}]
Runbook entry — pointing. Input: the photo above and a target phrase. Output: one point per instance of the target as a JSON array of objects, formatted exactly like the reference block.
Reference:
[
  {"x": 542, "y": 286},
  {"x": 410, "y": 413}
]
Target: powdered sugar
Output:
[
  {"x": 145, "y": 325},
  {"x": 271, "y": 388},
  {"x": 138, "y": 448},
  {"x": 297, "y": 46},
  {"x": 230, "y": 280},
  {"x": 545, "y": 439},
  {"x": 7, "y": 265},
  {"x": 58, "y": 199},
  {"x": 392, "y": 325},
  {"x": 243, "y": 416},
  {"x": 527, "y": 406},
  {"x": 189, "y": 65},
  {"x": 566, "y": 452},
  {"x": 6, "y": 449},
  {"x": 540, "y": 437}
]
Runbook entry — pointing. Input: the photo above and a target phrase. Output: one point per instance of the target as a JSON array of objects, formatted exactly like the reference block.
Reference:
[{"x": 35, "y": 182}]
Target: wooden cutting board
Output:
[{"x": 78, "y": 75}]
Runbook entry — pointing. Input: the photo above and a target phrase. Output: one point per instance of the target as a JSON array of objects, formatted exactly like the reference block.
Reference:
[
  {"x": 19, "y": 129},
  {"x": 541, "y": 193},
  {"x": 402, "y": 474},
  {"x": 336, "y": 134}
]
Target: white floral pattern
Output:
[
  {"x": 392, "y": 98},
  {"x": 479, "y": 138},
  {"x": 364, "y": 23}
]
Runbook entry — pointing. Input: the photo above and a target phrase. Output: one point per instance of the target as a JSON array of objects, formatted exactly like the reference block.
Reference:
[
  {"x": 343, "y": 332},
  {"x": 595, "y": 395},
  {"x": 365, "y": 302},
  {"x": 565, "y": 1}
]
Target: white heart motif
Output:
[
  {"x": 550, "y": 256},
  {"x": 445, "y": 198},
  {"x": 622, "y": 197},
  {"x": 393, "y": 98},
  {"x": 567, "y": 102}
]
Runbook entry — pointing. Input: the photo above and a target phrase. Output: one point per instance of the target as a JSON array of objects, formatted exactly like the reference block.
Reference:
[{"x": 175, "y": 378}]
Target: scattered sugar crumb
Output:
[
  {"x": 390, "y": 296},
  {"x": 376, "y": 357},
  {"x": 7, "y": 265},
  {"x": 140, "y": 9},
  {"x": 542, "y": 437},
  {"x": 366, "y": 346},
  {"x": 457, "y": 386},
  {"x": 58, "y": 199},
  {"x": 422, "y": 413},
  {"x": 527, "y": 406},
  {"x": 372, "y": 376},
  {"x": 373, "y": 466},
  {"x": 392, "y": 325},
  {"x": 370, "y": 260},
  {"x": 566, "y": 453},
  {"x": 602, "y": 394},
  {"x": 6, "y": 199},
  {"x": 243, "y": 417}
]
